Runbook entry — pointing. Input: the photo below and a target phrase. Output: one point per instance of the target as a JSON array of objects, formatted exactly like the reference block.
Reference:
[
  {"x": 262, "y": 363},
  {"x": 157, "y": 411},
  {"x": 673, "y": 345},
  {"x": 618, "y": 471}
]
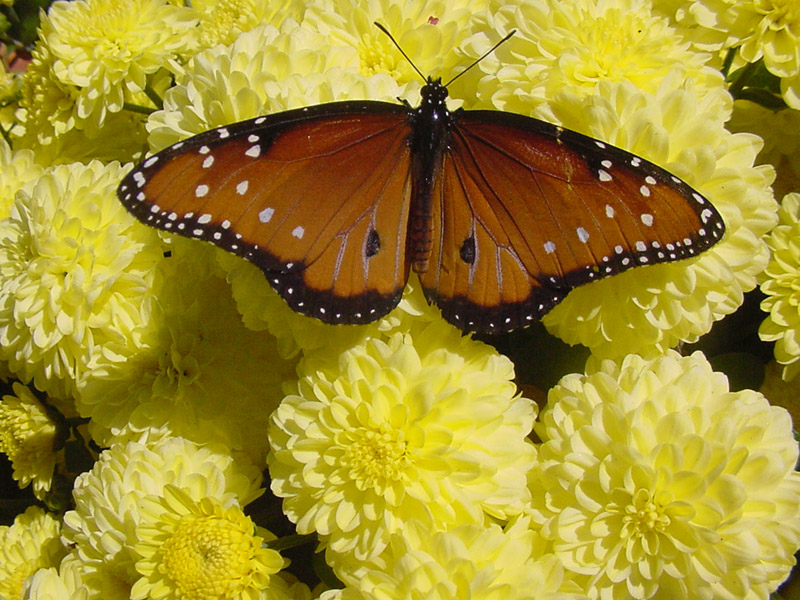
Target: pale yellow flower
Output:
[
  {"x": 108, "y": 499},
  {"x": 200, "y": 549},
  {"x": 107, "y": 49},
  {"x": 222, "y": 21},
  {"x": 569, "y": 46},
  {"x": 18, "y": 170},
  {"x": 780, "y": 283},
  {"x": 423, "y": 427},
  {"x": 28, "y": 438},
  {"x": 32, "y": 542},
  {"x": 60, "y": 583},
  {"x": 656, "y": 481},
  {"x": 469, "y": 561},
  {"x": 74, "y": 273},
  {"x": 780, "y": 131},
  {"x": 196, "y": 370}
]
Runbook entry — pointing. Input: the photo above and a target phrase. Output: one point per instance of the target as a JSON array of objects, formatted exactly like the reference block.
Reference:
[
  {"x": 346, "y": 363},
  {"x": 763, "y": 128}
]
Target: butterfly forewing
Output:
[
  {"x": 527, "y": 211},
  {"x": 317, "y": 198}
]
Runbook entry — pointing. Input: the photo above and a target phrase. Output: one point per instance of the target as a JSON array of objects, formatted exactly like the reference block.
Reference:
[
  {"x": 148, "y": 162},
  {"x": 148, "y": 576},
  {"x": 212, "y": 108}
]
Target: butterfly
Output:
[{"x": 499, "y": 214}]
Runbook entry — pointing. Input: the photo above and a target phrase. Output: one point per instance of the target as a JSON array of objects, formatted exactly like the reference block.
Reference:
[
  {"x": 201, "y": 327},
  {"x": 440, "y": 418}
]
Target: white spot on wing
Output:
[
  {"x": 609, "y": 211},
  {"x": 604, "y": 175},
  {"x": 204, "y": 218},
  {"x": 254, "y": 151},
  {"x": 209, "y": 160},
  {"x": 583, "y": 235},
  {"x": 201, "y": 190},
  {"x": 150, "y": 162},
  {"x": 241, "y": 187},
  {"x": 298, "y": 232},
  {"x": 265, "y": 215},
  {"x": 549, "y": 247},
  {"x": 647, "y": 219}
]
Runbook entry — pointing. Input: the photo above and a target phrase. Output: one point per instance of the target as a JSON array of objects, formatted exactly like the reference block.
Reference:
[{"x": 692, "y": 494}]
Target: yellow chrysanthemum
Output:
[
  {"x": 768, "y": 29},
  {"x": 222, "y": 21},
  {"x": 32, "y": 542},
  {"x": 49, "y": 124},
  {"x": 17, "y": 171},
  {"x": 569, "y": 46},
  {"x": 200, "y": 549},
  {"x": 107, "y": 49},
  {"x": 74, "y": 273},
  {"x": 197, "y": 371},
  {"x": 109, "y": 499},
  {"x": 62, "y": 583},
  {"x": 780, "y": 284},
  {"x": 780, "y": 131},
  {"x": 469, "y": 561},
  {"x": 667, "y": 303},
  {"x": 655, "y": 480},
  {"x": 428, "y": 32},
  {"x": 424, "y": 427},
  {"x": 265, "y": 70},
  {"x": 28, "y": 437}
]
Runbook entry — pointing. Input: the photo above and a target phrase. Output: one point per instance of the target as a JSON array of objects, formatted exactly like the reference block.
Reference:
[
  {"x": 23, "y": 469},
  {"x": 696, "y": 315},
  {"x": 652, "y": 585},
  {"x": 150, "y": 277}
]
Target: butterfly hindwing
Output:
[
  {"x": 527, "y": 211},
  {"x": 317, "y": 198}
]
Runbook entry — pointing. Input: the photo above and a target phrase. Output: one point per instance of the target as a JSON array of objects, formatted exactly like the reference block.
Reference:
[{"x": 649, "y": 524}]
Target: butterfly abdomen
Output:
[{"x": 428, "y": 141}]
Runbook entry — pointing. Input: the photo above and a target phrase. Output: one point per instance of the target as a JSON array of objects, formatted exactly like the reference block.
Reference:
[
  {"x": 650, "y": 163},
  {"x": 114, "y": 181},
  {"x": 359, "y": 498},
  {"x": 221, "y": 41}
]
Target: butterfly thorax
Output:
[{"x": 431, "y": 121}]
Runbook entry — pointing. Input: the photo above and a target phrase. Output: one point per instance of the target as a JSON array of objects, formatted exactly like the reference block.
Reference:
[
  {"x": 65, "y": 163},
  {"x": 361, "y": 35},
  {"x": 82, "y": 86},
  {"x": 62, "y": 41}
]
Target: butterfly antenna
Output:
[
  {"x": 394, "y": 41},
  {"x": 485, "y": 54}
]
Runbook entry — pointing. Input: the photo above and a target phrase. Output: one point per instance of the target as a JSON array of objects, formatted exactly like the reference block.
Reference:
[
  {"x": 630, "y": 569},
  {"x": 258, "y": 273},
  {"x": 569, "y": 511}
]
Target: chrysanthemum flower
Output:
[
  {"x": 197, "y": 370},
  {"x": 469, "y": 561},
  {"x": 198, "y": 548},
  {"x": 655, "y": 480},
  {"x": 222, "y": 21},
  {"x": 422, "y": 427},
  {"x": 32, "y": 542},
  {"x": 428, "y": 32},
  {"x": 108, "y": 48},
  {"x": 265, "y": 70},
  {"x": 108, "y": 500},
  {"x": 780, "y": 284},
  {"x": 668, "y": 303},
  {"x": 780, "y": 131},
  {"x": 569, "y": 46},
  {"x": 27, "y": 437},
  {"x": 48, "y": 122},
  {"x": 768, "y": 29},
  {"x": 74, "y": 272},
  {"x": 17, "y": 171},
  {"x": 61, "y": 583}
]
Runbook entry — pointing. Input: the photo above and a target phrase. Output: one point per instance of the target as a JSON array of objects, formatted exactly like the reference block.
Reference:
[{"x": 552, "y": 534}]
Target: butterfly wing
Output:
[
  {"x": 525, "y": 211},
  {"x": 318, "y": 198}
]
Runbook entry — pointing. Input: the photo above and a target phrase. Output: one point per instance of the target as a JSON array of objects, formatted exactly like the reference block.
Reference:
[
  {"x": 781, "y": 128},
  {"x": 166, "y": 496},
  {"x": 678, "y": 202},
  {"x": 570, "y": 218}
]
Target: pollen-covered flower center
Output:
[
  {"x": 374, "y": 458},
  {"x": 206, "y": 557}
]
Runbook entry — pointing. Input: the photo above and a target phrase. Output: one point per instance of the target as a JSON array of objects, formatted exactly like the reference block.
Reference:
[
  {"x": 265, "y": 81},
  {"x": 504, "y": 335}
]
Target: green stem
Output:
[
  {"x": 726, "y": 64},
  {"x": 290, "y": 541},
  {"x": 154, "y": 97},
  {"x": 744, "y": 76},
  {"x": 137, "y": 108}
]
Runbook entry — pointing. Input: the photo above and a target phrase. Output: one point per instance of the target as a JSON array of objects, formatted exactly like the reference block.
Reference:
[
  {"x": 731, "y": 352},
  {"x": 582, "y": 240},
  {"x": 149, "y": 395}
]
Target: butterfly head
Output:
[{"x": 433, "y": 92}]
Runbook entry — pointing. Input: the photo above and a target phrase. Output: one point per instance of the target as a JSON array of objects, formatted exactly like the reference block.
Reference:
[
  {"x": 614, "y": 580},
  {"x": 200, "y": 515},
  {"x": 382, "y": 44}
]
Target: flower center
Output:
[
  {"x": 375, "y": 458},
  {"x": 645, "y": 514},
  {"x": 206, "y": 557},
  {"x": 374, "y": 57}
]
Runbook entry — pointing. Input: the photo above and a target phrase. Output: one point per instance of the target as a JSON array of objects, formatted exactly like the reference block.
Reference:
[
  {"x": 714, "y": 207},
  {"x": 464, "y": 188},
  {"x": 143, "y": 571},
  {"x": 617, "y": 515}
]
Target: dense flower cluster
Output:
[{"x": 182, "y": 388}]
